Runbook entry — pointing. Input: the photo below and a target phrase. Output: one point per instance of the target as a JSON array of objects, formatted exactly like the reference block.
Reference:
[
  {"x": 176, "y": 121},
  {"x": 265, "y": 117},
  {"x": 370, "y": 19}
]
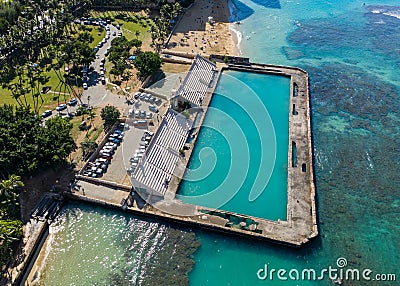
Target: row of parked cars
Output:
[
  {"x": 99, "y": 166},
  {"x": 61, "y": 107},
  {"x": 140, "y": 114},
  {"x": 139, "y": 153},
  {"x": 147, "y": 97}
]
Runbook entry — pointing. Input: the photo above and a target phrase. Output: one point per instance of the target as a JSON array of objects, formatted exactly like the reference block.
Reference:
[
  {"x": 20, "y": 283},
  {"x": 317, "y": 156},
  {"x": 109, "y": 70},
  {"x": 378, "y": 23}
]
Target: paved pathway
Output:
[{"x": 96, "y": 95}]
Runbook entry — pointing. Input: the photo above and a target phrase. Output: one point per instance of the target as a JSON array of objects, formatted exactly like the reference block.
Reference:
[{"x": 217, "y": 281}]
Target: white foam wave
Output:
[
  {"x": 387, "y": 12},
  {"x": 376, "y": 11},
  {"x": 238, "y": 35},
  {"x": 395, "y": 14}
]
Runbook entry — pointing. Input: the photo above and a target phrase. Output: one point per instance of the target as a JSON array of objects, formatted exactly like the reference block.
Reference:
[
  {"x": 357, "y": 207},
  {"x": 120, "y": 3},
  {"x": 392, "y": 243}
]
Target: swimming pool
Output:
[{"x": 239, "y": 162}]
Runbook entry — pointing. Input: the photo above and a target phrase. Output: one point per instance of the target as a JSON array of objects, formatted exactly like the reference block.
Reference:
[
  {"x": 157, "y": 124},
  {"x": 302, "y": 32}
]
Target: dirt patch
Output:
[
  {"x": 175, "y": 68},
  {"x": 42, "y": 183}
]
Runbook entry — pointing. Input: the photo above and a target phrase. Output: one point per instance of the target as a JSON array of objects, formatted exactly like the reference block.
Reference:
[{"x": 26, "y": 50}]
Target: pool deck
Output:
[{"x": 301, "y": 223}]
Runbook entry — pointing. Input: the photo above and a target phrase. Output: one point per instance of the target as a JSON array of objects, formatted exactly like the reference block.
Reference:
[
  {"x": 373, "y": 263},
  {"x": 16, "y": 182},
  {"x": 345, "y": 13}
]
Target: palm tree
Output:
[
  {"x": 91, "y": 115},
  {"x": 8, "y": 195}
]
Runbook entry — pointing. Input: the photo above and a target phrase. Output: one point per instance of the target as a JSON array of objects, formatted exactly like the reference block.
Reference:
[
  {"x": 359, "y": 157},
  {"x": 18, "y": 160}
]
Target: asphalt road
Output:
[{"x": 96, "y": 93}]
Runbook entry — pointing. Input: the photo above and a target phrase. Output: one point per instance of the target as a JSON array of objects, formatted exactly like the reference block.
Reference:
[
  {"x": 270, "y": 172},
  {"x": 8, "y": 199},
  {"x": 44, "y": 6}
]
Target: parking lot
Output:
[
  {"x": 117, "y": 170},
  {"x": 145, "y": 107},
  {"x": 126, "y": 146}
]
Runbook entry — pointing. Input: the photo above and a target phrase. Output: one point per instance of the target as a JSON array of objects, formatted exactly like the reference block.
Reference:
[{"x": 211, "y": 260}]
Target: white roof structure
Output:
[
  {"x": 197, "y": 81},
  {"x": 162, "y": 155}
]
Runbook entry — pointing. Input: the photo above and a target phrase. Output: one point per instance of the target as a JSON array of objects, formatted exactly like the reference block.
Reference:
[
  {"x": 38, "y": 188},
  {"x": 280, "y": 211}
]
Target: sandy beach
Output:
[{"x": 194, "y": 34}]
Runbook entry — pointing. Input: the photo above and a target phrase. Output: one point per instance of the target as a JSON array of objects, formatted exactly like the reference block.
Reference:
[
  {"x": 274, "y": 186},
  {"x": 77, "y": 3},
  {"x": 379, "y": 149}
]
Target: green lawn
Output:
[
  {"x": 97, "y": 32},
  {"x": 50, "y": 99},
  {"x": 130, "y": 22}
]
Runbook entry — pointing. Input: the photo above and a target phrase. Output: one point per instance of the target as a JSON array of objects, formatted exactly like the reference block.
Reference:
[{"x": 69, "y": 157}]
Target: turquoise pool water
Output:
[{"x": 242, "y": 147}]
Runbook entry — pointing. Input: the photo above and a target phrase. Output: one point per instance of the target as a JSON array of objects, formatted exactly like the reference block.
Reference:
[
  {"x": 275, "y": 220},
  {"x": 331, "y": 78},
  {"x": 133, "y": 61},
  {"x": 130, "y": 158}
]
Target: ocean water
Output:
[
  {"x": 89, "y": 245},
  {"x": 352, "y": 54},
  {"x": 243, "y": 143}
]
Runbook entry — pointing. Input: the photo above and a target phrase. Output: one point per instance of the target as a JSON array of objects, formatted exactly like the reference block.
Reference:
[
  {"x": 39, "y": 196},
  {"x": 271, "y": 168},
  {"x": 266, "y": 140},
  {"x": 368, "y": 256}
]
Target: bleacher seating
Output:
[
  {"x": 197, "y": 81},
  {"x": 162, "y": 155}
]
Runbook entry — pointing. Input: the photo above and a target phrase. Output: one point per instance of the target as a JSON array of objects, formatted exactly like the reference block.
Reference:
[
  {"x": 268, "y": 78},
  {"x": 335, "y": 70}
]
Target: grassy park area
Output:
[
  {"x": 134, "y": 25},
  {"x": 51, "y": 98}
]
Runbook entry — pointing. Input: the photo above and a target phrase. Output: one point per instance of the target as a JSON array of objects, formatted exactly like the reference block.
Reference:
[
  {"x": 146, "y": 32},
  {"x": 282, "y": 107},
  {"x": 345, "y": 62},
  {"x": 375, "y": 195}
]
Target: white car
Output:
[
  {"x": 137, "y": 113},
  {"x": 61, "y": 107},
  {"x": 149, "y": 115},
  {"x": 85, "y": 86}
]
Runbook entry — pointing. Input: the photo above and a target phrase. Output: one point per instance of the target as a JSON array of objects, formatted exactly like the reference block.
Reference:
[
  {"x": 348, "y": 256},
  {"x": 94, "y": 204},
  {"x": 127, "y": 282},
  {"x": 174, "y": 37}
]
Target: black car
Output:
[{"x": 47, "y": 113}]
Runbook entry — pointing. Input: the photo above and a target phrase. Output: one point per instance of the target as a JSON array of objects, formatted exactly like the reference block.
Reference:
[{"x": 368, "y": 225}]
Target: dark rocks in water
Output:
[
  {"x": 164, "y": 261},
  {"x": 338, "y": 87},
  {"x": 362, "y": 124},
  {"x": 292, "y": 54},
  {"x": 380, "y": 34}
]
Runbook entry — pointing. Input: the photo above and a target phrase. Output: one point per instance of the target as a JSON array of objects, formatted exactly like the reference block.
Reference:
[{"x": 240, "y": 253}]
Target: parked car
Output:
[
  {"x": 85, "y": 85},
  {"x": 142, "y": 95},
  {"x": 137, "y": 94},
  {"x": 72, "y": 101},
  {"x": 106, "y": 150},
  {"x": 105, "y": 155},
  {"x": 114, "y": 34},
  {"x": 111, "y": 145},
  {"x": 61, "y": 107},
  {"x": 47, "y": 113},
  {"x": 123, "y": 126},
  {"x": 102, "y": 160},
  {"x": 137, "y": 113},
  {"x": 158, "y": 101},
  {"x": 117, "y": 136},
  {"x": 153, "y": 108},
  {"x": 114, "y": 140},
  {"x": 142, "y": 114},
  {"x": 149, "y": 115},
  {"x": 67, "y": 116}
]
